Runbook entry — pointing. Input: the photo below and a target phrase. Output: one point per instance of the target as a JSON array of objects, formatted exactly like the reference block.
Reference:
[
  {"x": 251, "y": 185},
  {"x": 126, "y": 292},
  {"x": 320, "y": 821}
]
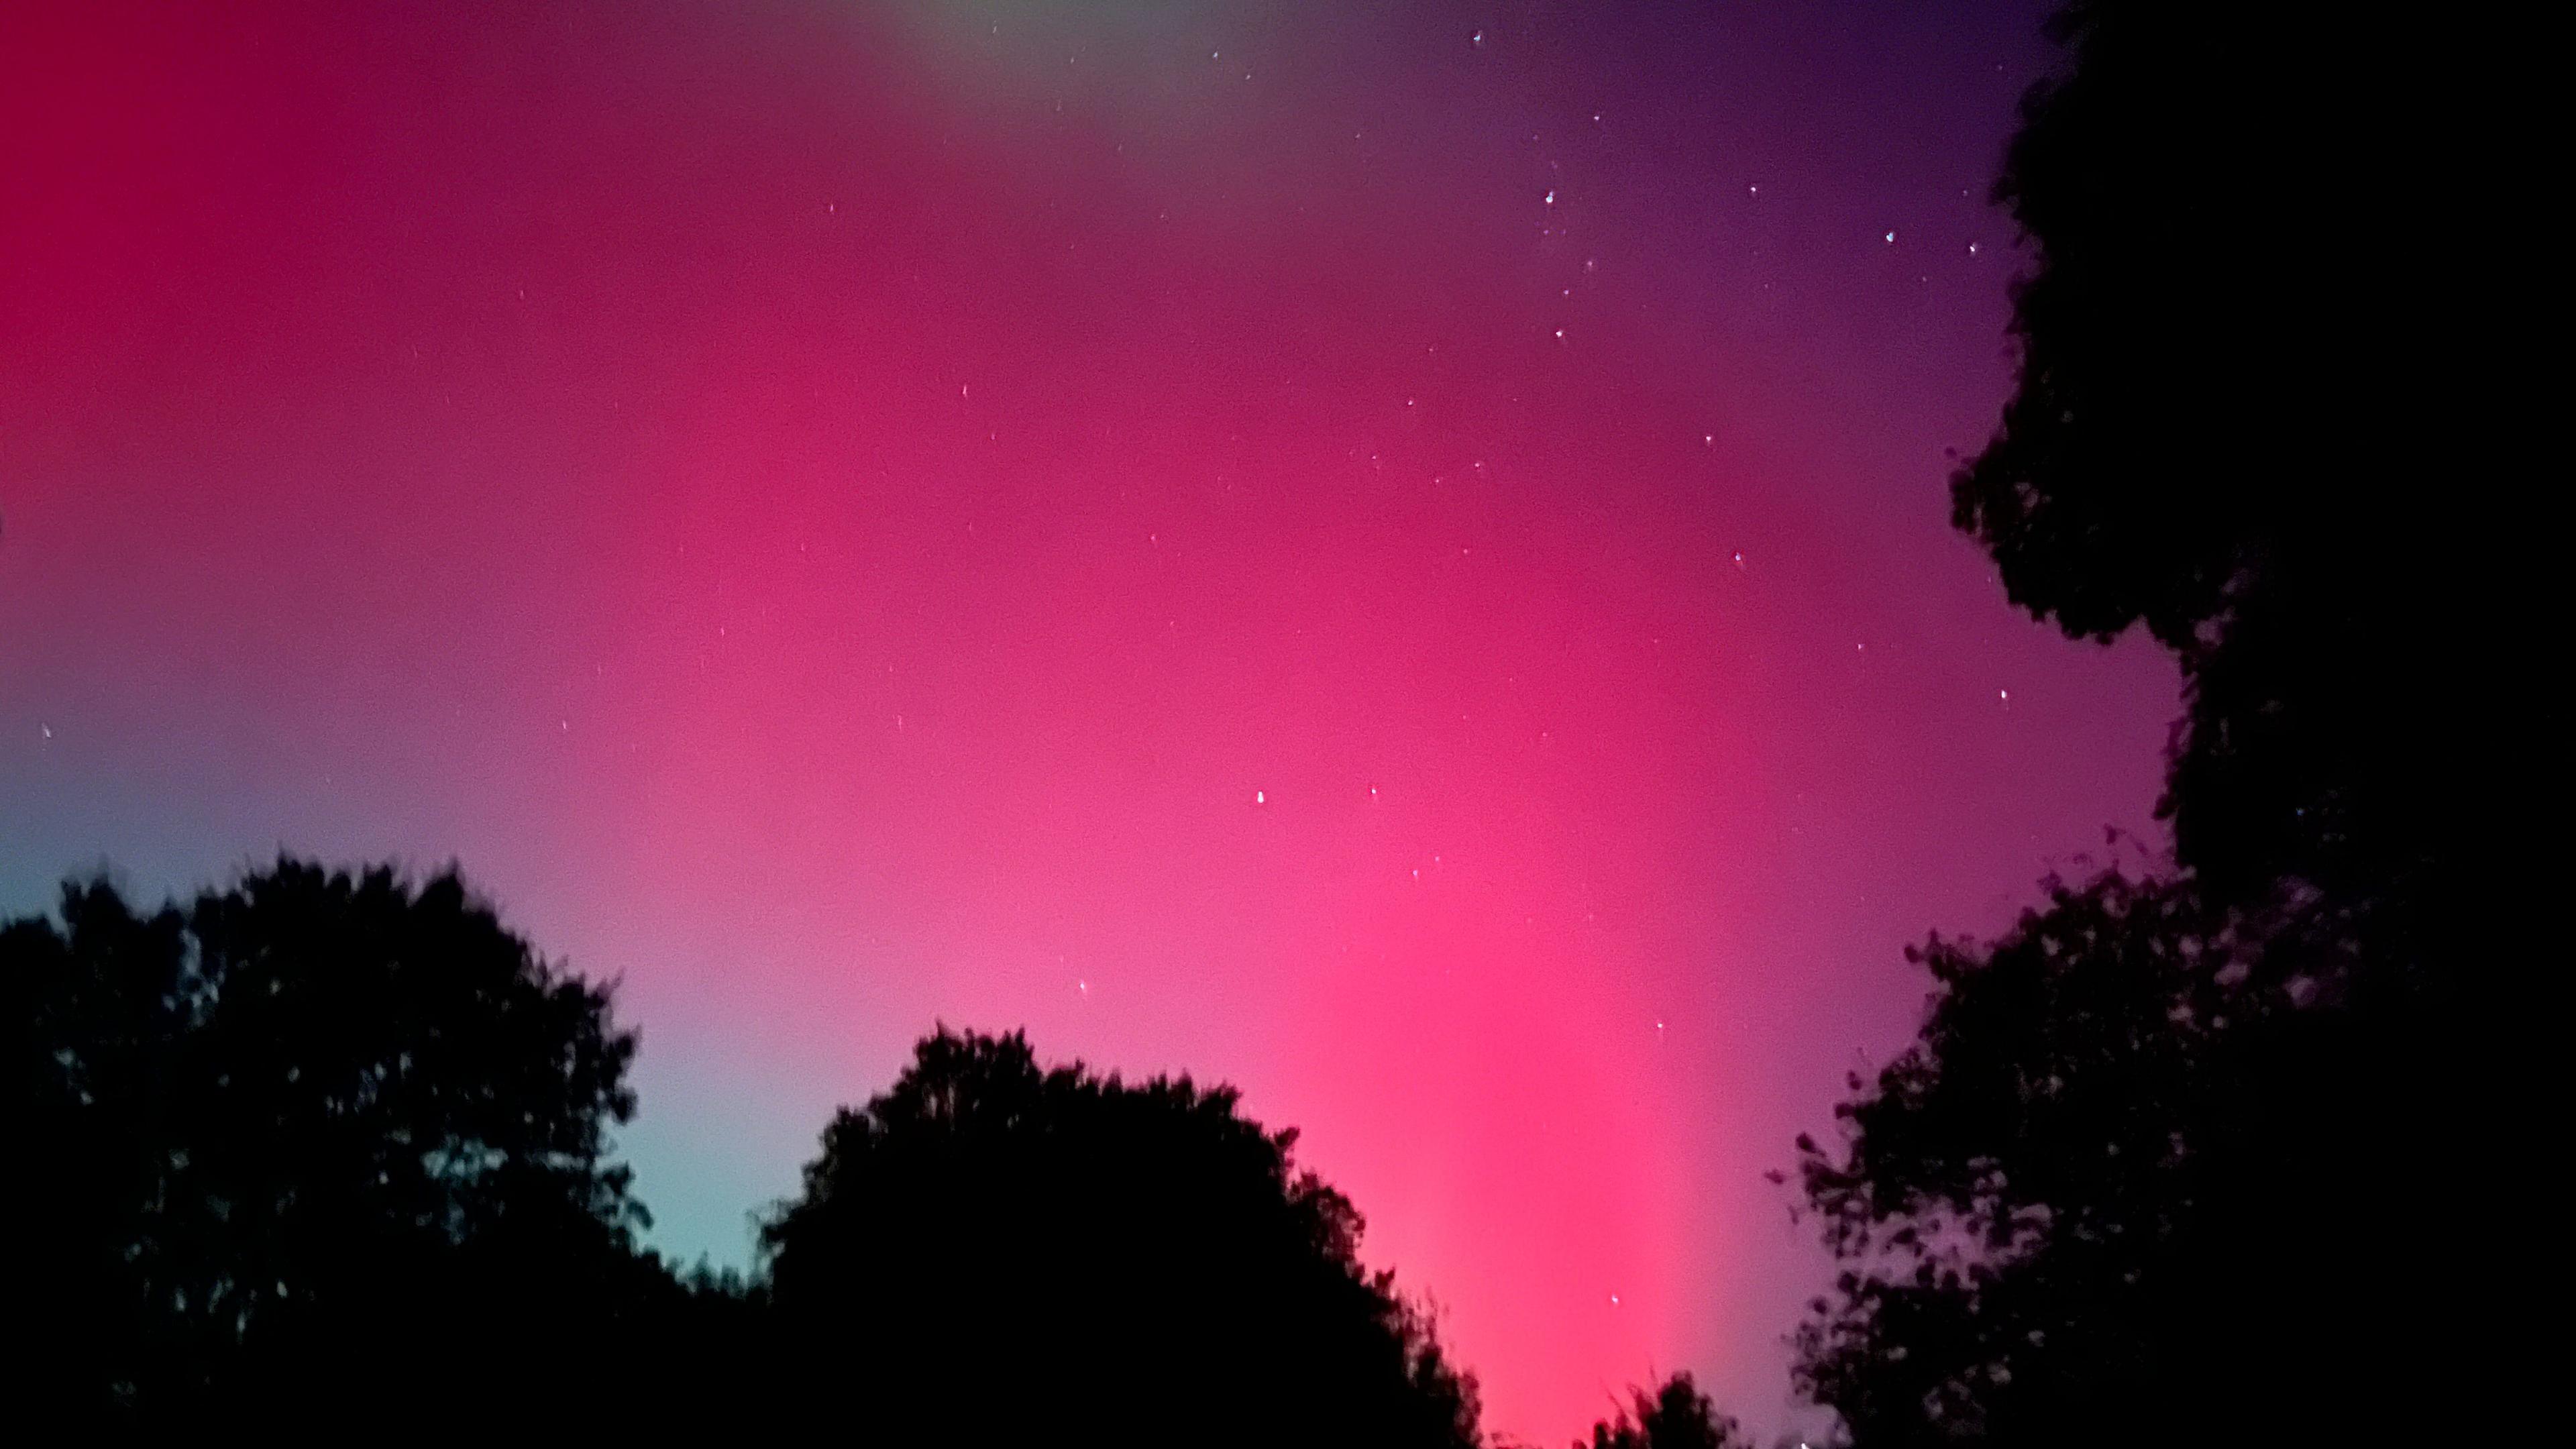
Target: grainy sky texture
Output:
[{"x": 1391, "y": 554}]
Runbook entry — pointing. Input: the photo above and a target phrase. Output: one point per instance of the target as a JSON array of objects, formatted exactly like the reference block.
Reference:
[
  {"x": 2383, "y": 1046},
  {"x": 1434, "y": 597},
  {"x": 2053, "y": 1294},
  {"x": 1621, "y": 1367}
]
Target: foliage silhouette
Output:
[
  {"x": 996, "y": 1253},
  {"x": 2226, "y": 412},
  {"x": 324, "y": 1145},
  {"x": 1676, "y": 1416},
  {"x": 313, "y": 1144},
  {"x": 2134, "y": 1185},
  {"x": 2174, "y": 1159}
]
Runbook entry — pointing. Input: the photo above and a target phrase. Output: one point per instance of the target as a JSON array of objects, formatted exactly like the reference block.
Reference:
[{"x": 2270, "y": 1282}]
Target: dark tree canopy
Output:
[
  {"x": 2236, "y": 388},
  {"x": 2133, "y": 1186},
  {"x": 322, "y": 1151},
  {"x": 1676, "y": 1416},
  {"x": 2189, "y": 1158},
  {"x": 993, "y": 1252},
  {"x": 310, "y": 1141}
]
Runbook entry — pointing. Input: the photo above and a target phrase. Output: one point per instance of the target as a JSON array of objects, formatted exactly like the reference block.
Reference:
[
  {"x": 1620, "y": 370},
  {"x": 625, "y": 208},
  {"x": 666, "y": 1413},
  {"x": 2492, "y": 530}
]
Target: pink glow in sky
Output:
[{"x": 1405, "y": 572}]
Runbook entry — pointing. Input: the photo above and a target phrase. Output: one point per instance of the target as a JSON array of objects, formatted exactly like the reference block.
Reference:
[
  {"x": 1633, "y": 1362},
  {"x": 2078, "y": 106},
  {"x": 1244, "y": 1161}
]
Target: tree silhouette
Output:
[
  {"x": 995, "y": 1253},
  {"x": 2133, "y": 1186},
  {"x": 316, "y": 1142},
  {"x": 2181, "y": 1158},
  {"x": 1676, "y": 1416},
  {"x": 2229, "y": 405},
  {"x": 322, "y": 1147}
]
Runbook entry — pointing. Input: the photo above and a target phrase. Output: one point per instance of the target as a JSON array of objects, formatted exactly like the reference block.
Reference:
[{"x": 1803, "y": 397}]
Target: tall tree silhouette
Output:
[
  {"x": 992, "y": 1252},
  {"x": 2175, "y": 1158},
  {"x": 2234, "y": 387},
  {"x": 317, "y": 1141}
]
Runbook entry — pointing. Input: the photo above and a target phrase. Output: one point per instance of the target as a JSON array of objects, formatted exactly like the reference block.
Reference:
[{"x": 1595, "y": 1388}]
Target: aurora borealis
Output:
[{"x": 1393, "y": 555}]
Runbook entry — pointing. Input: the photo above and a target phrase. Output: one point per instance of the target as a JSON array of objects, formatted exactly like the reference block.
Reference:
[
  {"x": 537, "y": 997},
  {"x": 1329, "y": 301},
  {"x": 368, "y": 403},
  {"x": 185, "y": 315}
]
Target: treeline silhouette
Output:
[
  {"x": 327, "y": 1152},
  {"x": 323, "y": 1147},
  {"x": 315, "y": 1145}
]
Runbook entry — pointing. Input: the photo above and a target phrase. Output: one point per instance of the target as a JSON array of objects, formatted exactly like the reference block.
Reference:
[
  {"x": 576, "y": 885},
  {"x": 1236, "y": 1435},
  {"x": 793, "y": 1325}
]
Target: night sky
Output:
[{"x": 1391, "y": 554}]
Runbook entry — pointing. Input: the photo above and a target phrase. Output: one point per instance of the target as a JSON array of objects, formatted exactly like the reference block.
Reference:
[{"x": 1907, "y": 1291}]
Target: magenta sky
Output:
[{"x": 1404, "y": 571}]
